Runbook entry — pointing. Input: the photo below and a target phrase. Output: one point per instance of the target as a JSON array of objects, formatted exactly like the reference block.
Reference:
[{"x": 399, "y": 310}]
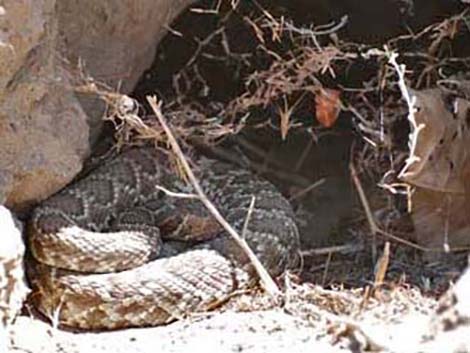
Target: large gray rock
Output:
[{"x": 45, "y": 45}]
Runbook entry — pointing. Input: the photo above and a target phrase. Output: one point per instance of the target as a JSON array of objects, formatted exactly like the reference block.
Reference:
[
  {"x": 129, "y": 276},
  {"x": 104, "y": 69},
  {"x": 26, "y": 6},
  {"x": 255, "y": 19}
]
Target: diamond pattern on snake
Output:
[{"x": 113, "y": 250}]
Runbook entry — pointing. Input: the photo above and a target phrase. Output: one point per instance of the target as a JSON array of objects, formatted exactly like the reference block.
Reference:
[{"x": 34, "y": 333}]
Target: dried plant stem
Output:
[
  {"x": 381, "y": 266},
  {"x": 370, "y": 218},
  {"x": 248, "y": 216},
  {"x": 176, "y": 194},
  {"x": 343, "y": 249},
  {"x": 306, "y": 190},
  {"x": 410, "y": 102},
  {"x": 267, "y": 282}
]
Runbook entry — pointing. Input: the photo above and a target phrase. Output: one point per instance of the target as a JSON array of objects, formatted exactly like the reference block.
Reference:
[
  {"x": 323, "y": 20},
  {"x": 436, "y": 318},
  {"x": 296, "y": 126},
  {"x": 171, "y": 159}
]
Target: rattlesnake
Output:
[{"x": 98, "y": 259}]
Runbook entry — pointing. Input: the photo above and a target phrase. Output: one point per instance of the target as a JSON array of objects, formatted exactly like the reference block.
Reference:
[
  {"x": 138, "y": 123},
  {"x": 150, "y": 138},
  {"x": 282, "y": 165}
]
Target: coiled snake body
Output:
[{"x": 112, "y": 250}]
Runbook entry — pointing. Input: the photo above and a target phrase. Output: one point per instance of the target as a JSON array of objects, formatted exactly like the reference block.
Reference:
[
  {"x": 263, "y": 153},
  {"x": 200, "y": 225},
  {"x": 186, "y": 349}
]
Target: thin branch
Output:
[
  {"x": 248, "y": 216},
  {"x": 267, "y": 282},
  {"x": 320, "y": 30},
  {"x": 370, "y": 218},
  {"x": 306, "y": 190},
  {"x": 411, "y": 103},
  {"x": 180, "y": 195},
  {"x": 342, "y": 249},
  {"x": 381, "y": 266}
]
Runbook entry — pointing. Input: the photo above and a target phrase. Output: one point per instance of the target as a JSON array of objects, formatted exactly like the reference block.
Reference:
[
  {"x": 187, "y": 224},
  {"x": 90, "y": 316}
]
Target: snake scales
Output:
[{"x": 112, "y": 250}]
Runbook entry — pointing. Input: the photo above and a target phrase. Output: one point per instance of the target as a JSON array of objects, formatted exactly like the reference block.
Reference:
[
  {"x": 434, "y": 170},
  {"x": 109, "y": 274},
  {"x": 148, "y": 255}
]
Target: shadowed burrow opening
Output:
[{"x": 301, "y": 92}]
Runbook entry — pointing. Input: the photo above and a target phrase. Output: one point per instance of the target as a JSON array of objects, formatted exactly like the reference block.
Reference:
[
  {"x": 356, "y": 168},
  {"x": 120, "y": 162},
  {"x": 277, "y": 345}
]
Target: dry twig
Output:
[
  {"x": 266, "y": 280},
  {"x": 375, "y": 229},
  {"x": 342, "y": 249},
  {"x": 382, "y": 266}
]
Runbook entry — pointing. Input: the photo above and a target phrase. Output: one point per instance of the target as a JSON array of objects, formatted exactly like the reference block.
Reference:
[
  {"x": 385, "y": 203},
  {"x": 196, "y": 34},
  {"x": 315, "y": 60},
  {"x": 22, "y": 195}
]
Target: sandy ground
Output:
[{"x": 310, "y": 319}]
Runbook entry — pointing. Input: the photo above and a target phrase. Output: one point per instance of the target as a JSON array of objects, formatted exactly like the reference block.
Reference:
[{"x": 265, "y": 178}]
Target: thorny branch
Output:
[{"x": 410, "y": 102}]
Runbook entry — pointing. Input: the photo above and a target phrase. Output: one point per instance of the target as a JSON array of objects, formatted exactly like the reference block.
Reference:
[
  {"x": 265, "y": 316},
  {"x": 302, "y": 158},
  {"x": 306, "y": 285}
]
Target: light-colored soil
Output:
[{"x": 307, "y": 319}]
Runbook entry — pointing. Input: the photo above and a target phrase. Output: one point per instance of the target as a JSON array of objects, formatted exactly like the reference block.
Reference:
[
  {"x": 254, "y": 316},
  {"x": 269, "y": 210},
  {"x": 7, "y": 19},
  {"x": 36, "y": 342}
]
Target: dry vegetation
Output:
[{"x": 281, "y": 80}]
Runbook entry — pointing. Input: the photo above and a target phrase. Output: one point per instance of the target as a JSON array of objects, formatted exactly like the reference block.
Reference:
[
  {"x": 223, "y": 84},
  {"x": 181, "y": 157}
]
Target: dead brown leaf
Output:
[{"x": 327, "y": 106}]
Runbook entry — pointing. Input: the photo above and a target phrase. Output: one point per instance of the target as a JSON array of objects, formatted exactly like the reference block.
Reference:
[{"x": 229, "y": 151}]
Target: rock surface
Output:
[
  {"x": 450, "y": 325},
  {"x": 13, "y": 289},
  {"x": 45, "y": 45}
]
